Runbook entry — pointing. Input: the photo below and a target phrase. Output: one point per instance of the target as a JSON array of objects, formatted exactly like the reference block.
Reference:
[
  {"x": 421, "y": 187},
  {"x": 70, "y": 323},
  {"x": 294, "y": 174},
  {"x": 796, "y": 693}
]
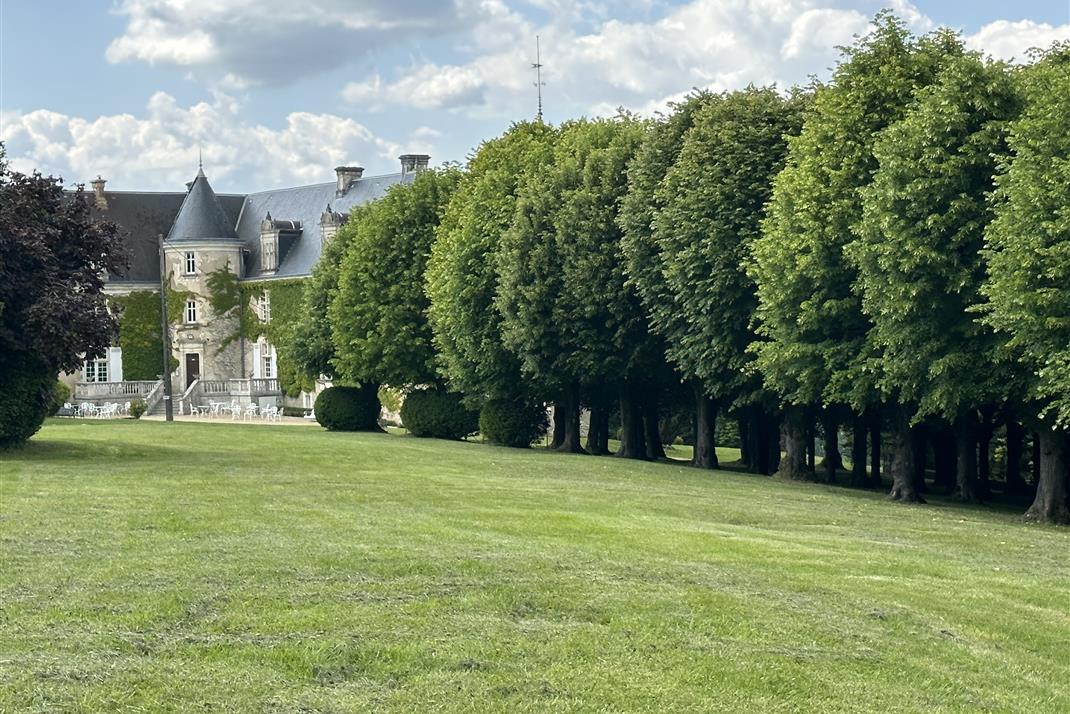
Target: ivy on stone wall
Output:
[
  {"x": 139, "y": 331},
  {"x": 286, "y": 300}
]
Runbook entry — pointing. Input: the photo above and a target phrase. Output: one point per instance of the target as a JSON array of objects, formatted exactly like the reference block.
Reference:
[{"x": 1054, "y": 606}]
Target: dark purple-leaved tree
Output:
[{"x": 54, "y": 260}]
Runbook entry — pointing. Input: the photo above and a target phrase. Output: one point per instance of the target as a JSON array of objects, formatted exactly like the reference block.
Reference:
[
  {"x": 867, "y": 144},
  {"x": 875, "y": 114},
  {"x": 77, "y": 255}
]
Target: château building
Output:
[{"x": 259, "y": 240}]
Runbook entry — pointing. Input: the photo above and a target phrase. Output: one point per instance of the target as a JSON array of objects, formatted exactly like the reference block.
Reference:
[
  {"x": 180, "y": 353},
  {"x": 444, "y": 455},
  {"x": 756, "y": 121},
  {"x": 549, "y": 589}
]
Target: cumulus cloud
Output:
[
  {"x": 272, "y": 42},
  {"x": 639, "y": 64},
  {"x": 1013, "y": 40},
  {"x": 159, "y": 150}
]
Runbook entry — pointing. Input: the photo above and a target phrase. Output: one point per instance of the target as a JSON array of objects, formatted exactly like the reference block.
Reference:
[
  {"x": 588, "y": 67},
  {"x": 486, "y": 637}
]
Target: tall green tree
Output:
[
  {"x": 567, "y": 313},
  {"x": 378, "y": 315},
  {"x": 643, "y": 259},
  {"x": 712, "y": 202},
  {"x": 462, "y": 271},
  {"x": 918, "y": 254},
  {"x": 814, "y": 347},
  {"x": 1028, "y": 251},
  {"x": 313, "y": 347}
]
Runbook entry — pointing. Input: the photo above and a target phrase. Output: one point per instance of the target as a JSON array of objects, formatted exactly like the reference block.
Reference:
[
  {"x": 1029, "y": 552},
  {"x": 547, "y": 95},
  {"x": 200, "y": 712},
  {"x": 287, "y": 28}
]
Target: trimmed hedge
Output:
[
  {"x": 348, "y": 409},
  {"x": 27, "y": 387},
  {"x": 437, "y": 414},
  {"x": 514, "y": 423}
]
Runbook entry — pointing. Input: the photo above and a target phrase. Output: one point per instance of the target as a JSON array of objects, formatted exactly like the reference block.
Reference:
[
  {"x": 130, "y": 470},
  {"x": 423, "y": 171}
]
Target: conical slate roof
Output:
[{"x": 201, "y": 216}]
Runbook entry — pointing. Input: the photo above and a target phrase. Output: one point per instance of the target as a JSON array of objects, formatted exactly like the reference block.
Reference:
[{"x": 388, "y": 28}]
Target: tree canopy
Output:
[{"x": 378, "y": 316}]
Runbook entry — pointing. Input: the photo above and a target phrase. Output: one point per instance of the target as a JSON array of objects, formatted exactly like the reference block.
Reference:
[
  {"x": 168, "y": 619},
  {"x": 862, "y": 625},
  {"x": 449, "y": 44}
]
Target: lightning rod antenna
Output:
[{"x": 539, "y": 84}]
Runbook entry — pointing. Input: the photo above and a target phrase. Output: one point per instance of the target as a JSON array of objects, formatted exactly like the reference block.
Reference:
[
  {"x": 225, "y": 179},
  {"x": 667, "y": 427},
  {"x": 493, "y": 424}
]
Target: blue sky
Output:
[{"x": 278, "y": 92}]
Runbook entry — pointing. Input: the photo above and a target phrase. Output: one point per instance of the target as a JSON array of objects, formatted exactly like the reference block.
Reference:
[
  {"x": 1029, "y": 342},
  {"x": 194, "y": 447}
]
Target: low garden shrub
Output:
[
  {"x": 137, "y": 408},
  {"x": 512, "y": 422},
  {"x": 437, "y": 414},
  {"x": 61, "y": 394},
  {"x": 348, "y": 409},
  {"x": 27, "y": 387}
]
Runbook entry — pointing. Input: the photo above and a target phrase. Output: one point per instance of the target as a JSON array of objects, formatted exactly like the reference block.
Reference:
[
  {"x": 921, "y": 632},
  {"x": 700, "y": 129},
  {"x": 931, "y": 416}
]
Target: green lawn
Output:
[{"x": 210, "y": 567}]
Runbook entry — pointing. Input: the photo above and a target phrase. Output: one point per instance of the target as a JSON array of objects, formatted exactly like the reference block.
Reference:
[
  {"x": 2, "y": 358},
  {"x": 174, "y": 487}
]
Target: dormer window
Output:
[
  {"x": 269, "y": 251},
  {"x": 191, "y": 262}
]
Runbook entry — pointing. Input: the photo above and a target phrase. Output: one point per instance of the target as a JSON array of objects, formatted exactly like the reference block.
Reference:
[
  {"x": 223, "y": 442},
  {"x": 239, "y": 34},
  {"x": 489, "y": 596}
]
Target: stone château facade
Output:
[{"x": 262, "y": 238}]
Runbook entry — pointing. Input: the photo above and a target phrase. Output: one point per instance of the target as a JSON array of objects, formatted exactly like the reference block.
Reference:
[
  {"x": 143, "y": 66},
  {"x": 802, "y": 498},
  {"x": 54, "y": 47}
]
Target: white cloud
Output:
[
  {"x": 1008, "y": 40},
  {"x": 426, "y": 87},
  {"x": 251, "y": 42},
  {"x": 159, "y": 150},
  {"x": 716, "y": 44}
]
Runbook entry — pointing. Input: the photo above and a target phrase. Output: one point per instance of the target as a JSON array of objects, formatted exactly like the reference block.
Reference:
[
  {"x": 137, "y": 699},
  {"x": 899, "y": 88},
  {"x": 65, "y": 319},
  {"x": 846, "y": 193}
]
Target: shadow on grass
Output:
[{"x": 86, "y": 450}]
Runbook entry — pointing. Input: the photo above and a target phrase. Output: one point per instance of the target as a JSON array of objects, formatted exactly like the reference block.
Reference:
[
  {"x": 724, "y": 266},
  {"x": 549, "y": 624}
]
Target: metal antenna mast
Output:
[{"x": 539, "y": 84}]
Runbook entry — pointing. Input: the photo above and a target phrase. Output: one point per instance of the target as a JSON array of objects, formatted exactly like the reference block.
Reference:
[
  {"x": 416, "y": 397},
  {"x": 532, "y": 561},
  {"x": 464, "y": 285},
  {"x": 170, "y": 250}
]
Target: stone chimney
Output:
[
  {"x": 347, "y": 176},
  {"x": 98, "y": 192},
  {"x": 413, "y": 162}
]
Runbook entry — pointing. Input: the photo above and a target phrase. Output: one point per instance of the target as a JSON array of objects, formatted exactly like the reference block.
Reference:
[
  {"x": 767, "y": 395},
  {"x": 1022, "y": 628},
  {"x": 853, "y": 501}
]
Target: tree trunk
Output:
[
  {"x": 572, "y": 443},
  {"x": 705, "y": 453},
  {"x": 631, "y": 423},
  {"x": 875, "y": 421},
  {"x": 966, "y": 448},
  {"x": 558, "y": 437},
  {"x": 902, "y": 459},
  {"x": 598, "y": 431},
  {"x": 984, "y": 455},
  {"x": 1015, "y": 438},
  {"x": 944, "y": 452},
  {"x": 652, "y": 435},
  {"x": 858, "y": 452},
  {"x": 833, "y": 461},
  {"x": 773, "y": 442},
  {"x": 1050, "y": 504},
  {"x": 744, "y": 439},
  {"x": 1036, "y": 460},
  {"x": 793, "y": 465},
  {"x": 811, "y": 442},
  {"x": 919, "y": 442}
]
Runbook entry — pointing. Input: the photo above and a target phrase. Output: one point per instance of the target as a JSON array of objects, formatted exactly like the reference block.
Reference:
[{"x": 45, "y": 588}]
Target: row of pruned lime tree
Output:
[{"x": 885, "y": 255}]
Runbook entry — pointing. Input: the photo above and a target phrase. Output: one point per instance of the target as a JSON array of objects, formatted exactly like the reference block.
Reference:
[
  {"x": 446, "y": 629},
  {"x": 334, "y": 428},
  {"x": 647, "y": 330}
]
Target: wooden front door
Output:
[{"x": 193, "y": 367}]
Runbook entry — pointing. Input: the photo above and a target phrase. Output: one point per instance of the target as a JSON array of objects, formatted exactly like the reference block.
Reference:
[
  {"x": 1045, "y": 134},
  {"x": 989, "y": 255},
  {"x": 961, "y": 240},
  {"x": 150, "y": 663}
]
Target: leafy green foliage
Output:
[
  {"x": 814, "y": 346},
  {"x": 61, "y": 394},
  {"x": 438, "y": 414},
  {"x": 566, "y": 310},
  {"x": 655, "y": 156},
  {"x": 711, "y": 202},
  {"x": 348, "y": 408},
  {"x": 312, "y": 346},
  {"x": 919, "y": 249},
  {"x": 138, "y": 408},
  {"x": 139, "y": 334},
  {"x": 286, "y": 300},
  {"x": 27, "y": 388},
  {"x": 378, "y": 316},
  {"x": 513, "y": 422},
  {"x": 1029, "y": 239},
  {"x": 461, "y": 273}
]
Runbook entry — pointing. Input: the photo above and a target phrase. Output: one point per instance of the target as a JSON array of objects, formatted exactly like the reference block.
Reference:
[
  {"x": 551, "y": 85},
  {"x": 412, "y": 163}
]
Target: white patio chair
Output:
[
  {"x": 235, "y": 410},
  {"x": 125, "y": 411},
  {"x": 250, "y": 411}
]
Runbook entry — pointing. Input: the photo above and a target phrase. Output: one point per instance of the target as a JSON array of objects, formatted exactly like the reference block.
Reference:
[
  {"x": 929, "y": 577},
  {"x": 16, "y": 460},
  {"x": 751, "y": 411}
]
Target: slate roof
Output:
[
  {"x": 142, "y": 216},
  {"x": 202, "y": 216},
  {"x": 305, "y": 205}
]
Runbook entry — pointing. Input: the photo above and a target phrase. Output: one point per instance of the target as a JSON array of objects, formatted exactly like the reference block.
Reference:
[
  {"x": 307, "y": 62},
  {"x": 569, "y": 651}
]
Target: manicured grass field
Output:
[{"x": 222, "y": 567}]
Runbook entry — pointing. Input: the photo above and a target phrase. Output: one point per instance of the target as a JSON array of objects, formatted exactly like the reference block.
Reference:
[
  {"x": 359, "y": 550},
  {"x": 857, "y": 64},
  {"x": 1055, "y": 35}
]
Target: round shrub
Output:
[
  {"x": 348, "y": 409},
  {"x": 137, "y": 408},
  {"x": 61, "y": 394},
  {"x": 438, "y": 414},
  {"x": 510, "y": 422},
  {"x": 26, "y": 389}
]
